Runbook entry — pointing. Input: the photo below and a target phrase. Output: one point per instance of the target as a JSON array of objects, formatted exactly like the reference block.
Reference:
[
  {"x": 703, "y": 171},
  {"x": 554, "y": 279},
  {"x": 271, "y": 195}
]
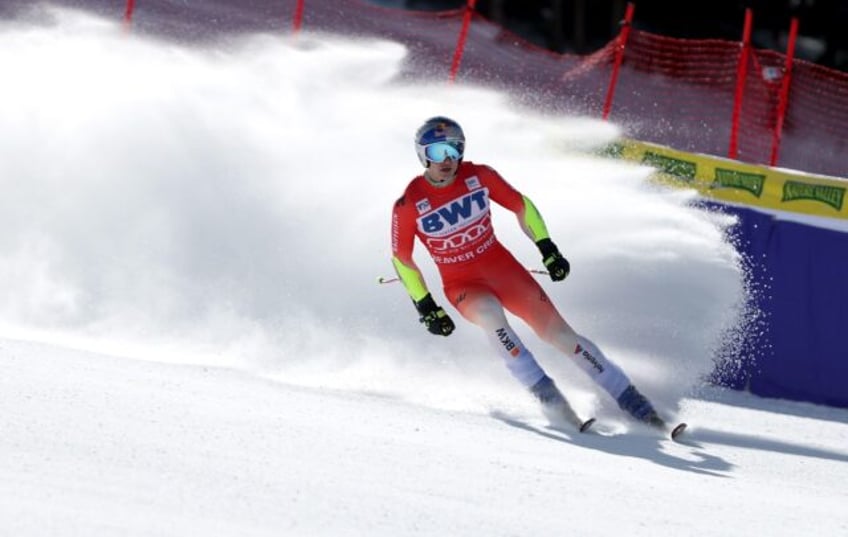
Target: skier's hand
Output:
[
  {"x": 557, "y": 265},
  {"x": 434, "y": 317}
]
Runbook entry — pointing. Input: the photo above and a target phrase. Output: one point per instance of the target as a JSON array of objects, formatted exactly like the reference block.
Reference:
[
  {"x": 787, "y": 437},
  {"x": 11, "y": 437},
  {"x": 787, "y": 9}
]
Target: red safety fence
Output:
[{"x": 701, "y": 95}]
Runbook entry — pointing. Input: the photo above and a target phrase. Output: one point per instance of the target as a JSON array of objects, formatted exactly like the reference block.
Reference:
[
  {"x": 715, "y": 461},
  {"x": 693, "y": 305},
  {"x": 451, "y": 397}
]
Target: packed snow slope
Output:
[
  {"x": 193, "y": 342},
  {"x": 96, "y": 445}
]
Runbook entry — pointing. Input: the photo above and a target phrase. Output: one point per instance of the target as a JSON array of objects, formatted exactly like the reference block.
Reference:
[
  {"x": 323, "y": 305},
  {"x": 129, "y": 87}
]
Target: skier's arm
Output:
[
  {"x": 434, "y": 317},
  {"x": 411, "y": 278},
  {"x": 504, "y": 194},
  {"x": 531, "y": 223},
  {"x": 403, "y": 242}
]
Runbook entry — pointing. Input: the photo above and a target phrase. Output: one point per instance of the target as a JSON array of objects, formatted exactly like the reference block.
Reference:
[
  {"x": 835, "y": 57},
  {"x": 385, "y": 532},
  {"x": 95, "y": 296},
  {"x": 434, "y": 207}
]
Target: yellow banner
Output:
[{"x": 737, "y": 182}]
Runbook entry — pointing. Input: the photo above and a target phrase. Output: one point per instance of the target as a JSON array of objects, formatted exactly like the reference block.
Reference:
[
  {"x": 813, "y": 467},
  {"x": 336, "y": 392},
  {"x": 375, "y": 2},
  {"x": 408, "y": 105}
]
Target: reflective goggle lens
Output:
[{"x": 441, "y": 151}]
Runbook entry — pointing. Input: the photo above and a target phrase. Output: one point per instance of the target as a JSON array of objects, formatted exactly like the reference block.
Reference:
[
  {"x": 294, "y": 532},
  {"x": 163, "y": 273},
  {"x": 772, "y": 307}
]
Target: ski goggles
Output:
[{"x": 441, "y": 151}]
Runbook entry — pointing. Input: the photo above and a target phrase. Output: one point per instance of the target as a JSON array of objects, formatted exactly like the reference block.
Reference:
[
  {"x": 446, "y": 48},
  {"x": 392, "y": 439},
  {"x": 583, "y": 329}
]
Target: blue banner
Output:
[{"x": 798, "y": 348}]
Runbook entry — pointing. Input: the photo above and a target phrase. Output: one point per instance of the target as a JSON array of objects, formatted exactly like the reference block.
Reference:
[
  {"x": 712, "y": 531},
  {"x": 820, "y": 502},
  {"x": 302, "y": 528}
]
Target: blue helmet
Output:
[{"x": 437, "y": 139}]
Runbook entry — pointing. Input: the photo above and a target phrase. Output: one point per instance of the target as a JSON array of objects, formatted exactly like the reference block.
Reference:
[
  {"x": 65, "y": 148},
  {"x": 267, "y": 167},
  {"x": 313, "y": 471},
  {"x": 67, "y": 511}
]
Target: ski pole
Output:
[{"x": 383, "y": 279}]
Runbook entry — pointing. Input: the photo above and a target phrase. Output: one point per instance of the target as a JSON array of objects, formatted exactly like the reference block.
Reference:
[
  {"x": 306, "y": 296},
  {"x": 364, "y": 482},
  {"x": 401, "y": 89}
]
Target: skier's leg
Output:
[
  {"x": 615, "y": 382},
  {"x": 522, "y": 295},
  {"x": 481, "y": 307},
  {"x": 601, "y": 369}
]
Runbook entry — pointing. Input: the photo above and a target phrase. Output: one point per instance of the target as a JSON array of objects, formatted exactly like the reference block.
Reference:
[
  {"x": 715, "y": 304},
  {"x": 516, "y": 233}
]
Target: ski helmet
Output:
[{"x": 437, "y": 139}]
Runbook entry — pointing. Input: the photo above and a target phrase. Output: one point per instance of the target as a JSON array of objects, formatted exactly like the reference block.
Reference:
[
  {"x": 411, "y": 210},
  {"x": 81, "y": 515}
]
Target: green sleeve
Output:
[
  {"x": 411, "y": 279},
  {"x": 531, "y": 221}
]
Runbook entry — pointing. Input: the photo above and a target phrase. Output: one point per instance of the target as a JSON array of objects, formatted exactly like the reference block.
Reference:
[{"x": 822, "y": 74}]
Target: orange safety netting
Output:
[{"x": 676, "y": 92}]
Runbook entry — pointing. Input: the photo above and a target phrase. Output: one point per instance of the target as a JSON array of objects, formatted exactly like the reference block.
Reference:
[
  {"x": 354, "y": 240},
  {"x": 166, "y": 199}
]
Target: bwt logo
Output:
[{"x": 456, "y": 213}]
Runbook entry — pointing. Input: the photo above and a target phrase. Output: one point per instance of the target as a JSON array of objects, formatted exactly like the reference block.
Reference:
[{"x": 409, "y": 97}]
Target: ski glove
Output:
[
  {"x": 558, "y": 266},
  {"x": 434, "y": 317}
]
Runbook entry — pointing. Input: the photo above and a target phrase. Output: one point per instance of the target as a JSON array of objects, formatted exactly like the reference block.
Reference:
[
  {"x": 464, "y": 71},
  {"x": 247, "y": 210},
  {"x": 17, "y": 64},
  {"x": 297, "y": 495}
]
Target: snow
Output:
[
  {"x": 99, "y": 445},
  {"x": 192, "y": 340}
]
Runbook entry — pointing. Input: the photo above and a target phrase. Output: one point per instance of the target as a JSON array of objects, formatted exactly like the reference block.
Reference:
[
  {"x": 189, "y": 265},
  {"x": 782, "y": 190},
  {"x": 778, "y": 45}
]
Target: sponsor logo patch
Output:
[
  {"x": 829, "y": 195},
  {"x": 422, "y": 206},
  {"x": 454, "y": 215},
  {"x": 472, "y": 183},
  {"x": 508, "y": 343},
  {"x": 683, "y": 169},
  {"x": 752, "y": 182},
  {"x": 589, "y": 358}
]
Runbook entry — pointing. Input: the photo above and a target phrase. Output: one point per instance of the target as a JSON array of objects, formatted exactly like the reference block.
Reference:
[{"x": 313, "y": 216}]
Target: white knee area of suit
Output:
[{"x": 486, "y": 312}]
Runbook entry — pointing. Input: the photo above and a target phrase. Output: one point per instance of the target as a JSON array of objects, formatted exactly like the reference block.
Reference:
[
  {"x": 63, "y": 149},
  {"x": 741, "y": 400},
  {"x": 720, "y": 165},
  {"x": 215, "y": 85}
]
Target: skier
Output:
[{"x": 447, "y": 208}]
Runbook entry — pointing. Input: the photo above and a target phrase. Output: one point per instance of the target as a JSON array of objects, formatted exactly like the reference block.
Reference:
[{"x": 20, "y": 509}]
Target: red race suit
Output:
[{"x": 454, "y": 223}]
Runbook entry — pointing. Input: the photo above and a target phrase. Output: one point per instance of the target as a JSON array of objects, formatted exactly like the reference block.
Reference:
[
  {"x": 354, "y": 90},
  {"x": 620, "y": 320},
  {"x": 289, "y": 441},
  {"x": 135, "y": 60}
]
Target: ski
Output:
[
  {"x": 586, "y": 425},
  {"x": 673, "y": 431},
  {"x": 678, "y": 430}
]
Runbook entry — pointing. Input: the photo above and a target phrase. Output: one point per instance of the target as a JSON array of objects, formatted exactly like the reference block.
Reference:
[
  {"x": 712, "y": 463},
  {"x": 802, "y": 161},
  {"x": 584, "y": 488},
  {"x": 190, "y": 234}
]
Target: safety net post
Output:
[
  {"x": 619, "y": 57},
  {"x": 128, "y": 13},
  {"x": 460, "y": 43},
  {"x": 741, "y": 75},
  {"x": 784, "y": 92},
  {"x": 297, "y": 21}
]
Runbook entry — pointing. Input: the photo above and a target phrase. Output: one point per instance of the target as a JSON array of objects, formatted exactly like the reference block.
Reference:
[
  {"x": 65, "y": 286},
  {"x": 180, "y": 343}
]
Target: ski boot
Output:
[
  {"x": 639, "y": 408},
  {"x": 555, "y": 407}
]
